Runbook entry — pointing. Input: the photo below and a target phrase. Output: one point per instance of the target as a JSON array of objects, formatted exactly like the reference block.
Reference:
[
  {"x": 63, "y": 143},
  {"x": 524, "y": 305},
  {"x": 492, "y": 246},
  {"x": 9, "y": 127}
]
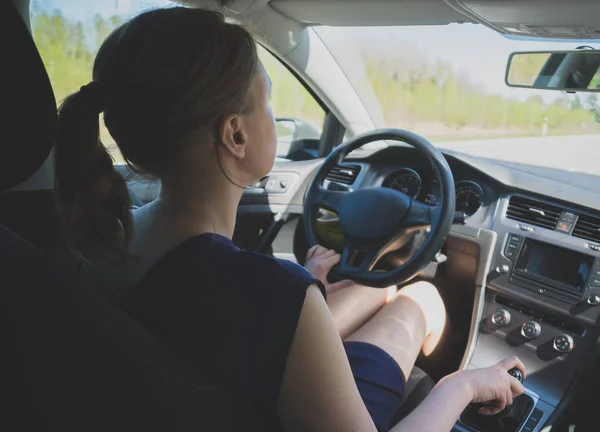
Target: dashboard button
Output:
[
  {"x": 593, "y": 300},
  {"x": 595, "y": 281},
  {"x": 513, "y": 238},
  {"x": 563, "y": 343},
  {"x": 531, "y": 329},
  {"x": 563, "y": 226},
  {"x": 501, "y": 317}
]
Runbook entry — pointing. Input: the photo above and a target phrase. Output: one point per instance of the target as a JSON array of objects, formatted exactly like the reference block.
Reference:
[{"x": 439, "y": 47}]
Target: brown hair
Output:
[{"x": 164, "y": 80}]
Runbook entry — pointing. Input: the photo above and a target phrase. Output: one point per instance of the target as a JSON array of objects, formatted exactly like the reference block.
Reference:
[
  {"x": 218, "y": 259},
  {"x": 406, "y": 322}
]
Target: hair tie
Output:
[{"x": 94, "y": 96}]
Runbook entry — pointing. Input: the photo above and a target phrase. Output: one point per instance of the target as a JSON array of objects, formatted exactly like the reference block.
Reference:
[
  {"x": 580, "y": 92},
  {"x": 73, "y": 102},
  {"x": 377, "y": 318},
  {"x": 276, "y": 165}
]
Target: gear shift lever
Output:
[
  {"x": 508, "y": 420},
  {"x": 517, "y": 374}
]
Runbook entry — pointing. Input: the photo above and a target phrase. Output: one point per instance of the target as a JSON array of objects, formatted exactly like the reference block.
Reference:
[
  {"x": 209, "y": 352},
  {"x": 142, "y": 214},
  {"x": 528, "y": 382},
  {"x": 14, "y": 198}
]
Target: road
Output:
[{"x": 576, "y": 153}]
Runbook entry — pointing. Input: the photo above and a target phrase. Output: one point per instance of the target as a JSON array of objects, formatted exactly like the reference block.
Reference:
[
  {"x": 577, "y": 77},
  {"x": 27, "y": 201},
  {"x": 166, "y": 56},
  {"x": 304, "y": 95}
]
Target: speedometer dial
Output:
[
  {"x": 406, "y": 181},
  {"x": 469, "y": 197}
]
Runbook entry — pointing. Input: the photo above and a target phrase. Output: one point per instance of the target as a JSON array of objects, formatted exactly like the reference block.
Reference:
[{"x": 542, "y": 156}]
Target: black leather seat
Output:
[
  {"x": 70, "y": 360},
  {"x": 77, "y": 363}
]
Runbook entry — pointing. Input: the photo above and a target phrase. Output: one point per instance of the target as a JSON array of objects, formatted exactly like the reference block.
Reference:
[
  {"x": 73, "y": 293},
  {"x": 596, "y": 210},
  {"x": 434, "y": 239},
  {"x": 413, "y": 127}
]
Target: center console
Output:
[{"x": 539, "y": 301}]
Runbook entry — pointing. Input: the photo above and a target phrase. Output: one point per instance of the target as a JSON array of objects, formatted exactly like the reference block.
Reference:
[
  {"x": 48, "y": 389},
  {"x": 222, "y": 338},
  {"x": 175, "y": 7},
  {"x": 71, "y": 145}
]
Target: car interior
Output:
[{"x": 514, "y": 249}]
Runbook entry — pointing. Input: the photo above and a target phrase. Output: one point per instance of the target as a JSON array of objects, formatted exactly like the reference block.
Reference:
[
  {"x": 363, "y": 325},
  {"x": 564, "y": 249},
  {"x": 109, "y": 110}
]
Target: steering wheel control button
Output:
[
  {"x": 564, "y": 343},
  {"x": 593, "y": 300},
  {"x": 501, "y": 318},
  {"x": 531, "y": 329},
  {"x": 516, "y": 373},
  {"x": 512, "y": 246}
]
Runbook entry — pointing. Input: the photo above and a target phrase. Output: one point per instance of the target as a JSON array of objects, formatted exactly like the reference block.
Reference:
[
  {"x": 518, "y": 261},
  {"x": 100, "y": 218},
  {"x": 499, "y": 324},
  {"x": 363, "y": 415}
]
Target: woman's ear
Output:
[{"x": 234, "y": 136}]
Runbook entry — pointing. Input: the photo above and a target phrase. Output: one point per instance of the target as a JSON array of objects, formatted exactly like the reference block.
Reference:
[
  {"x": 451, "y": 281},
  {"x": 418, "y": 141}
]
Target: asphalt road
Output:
[{"x": 576, "y": 153}]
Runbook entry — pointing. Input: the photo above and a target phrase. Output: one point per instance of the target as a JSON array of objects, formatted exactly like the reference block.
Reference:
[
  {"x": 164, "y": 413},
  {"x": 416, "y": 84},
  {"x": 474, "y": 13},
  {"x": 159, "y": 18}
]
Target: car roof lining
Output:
[
  {"x": 346, "y": 12},
  {"x": 550, "y": 19}
]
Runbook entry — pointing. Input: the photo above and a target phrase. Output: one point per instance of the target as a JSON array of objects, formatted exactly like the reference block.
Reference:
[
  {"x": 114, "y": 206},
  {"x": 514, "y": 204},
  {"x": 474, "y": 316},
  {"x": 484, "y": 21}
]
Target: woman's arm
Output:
[
  {"x": 318, "y": 391},
  {"x": 440, "y": 410}
]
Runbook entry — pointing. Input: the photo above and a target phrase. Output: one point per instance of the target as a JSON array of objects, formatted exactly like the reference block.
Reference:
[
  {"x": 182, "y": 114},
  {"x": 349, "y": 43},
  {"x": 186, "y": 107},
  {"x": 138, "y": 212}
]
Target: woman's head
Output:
[{"x": 184, "y": 96}]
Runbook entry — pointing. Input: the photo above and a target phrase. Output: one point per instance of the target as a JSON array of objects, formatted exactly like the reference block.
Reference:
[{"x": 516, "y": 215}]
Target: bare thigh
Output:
[
  {"x": 352, "y": 307},
  {"x": 402, "y": 326}
]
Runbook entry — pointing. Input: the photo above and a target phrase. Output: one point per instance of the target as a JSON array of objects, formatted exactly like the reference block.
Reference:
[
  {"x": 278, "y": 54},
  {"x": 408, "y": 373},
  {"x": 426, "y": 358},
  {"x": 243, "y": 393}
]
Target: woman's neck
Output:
[{"x": 190, "y": 211}]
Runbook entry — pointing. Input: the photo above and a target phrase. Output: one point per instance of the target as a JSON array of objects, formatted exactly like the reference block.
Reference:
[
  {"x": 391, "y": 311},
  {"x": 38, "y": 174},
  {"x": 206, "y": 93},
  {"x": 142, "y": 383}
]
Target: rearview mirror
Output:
[{"x": 572, "y": 71}]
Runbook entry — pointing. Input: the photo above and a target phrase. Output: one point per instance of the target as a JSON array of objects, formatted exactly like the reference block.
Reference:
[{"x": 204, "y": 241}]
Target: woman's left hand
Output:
[{"x": 319, "y": 262}]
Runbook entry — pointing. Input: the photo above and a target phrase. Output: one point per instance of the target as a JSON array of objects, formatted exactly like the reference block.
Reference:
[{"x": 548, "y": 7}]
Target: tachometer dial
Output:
[
  {"x": 469, "y": 197},
  {"x": 406, "y": 181}
]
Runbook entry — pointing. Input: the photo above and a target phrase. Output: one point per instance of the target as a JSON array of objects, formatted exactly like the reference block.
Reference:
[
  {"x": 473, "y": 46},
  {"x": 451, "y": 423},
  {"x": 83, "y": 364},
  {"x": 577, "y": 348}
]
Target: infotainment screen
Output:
[{"x": 554, "y": 264}]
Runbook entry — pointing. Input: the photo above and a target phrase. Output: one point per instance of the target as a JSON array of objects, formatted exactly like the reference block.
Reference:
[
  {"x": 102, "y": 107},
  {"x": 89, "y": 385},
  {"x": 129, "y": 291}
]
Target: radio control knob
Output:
[
  {"x": 501, "y": 318},
  {"x": 531, "y": 329},
  {"x": 563, "y": 343},
  {"x": 593, "y": 300}
]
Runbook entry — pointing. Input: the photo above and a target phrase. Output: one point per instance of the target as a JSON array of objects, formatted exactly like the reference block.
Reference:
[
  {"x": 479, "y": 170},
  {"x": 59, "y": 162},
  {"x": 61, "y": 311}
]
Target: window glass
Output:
[{"x": 68, "y": 34}]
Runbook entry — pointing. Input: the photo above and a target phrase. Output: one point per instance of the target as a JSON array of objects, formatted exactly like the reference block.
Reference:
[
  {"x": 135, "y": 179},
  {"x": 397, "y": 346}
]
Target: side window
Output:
[
  {"x": 298, "y": 114},
  {"x": 68, "y": 35}
]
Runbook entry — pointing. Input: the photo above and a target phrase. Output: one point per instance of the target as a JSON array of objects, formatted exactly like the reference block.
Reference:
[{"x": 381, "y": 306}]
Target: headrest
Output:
[{"x": 28, "y": 129}]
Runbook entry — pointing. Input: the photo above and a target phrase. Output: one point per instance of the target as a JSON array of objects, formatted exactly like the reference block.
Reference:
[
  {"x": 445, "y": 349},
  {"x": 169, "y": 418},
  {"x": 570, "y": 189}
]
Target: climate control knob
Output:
[
  {"x": 501, "y": 318},
  {"x": 531, "y": 329},
  {"x": 563, "y": 343},
  {"x": 593, "y": 300}
]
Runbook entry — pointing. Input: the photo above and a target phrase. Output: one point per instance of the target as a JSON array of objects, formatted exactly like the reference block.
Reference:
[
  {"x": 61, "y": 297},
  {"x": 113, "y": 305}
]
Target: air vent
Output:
[
  {"x": 345, "y": 174},
  {"x": 587, "y": 227},
  {"x": 534, "y": 212}
]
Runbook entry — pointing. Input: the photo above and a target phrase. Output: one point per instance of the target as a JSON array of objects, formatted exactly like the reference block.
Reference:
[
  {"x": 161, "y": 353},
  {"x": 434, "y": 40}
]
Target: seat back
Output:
[
  {"x": 84, "y": 365},
  {"x": 70, "y": 359}
]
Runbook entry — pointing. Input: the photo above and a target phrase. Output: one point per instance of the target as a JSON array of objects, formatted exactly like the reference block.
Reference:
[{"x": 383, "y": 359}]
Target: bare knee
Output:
[{"x": 428, "y": 298}]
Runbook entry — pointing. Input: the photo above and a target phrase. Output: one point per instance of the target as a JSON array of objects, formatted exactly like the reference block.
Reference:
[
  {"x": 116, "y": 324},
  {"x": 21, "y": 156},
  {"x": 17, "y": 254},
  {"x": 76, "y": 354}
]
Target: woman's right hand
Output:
[{"x": 493, "y": 386}]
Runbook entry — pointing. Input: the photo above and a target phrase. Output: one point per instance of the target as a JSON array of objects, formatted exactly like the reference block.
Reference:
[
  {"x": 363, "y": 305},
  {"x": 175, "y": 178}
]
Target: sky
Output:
[{"x": 474, "y": 49}]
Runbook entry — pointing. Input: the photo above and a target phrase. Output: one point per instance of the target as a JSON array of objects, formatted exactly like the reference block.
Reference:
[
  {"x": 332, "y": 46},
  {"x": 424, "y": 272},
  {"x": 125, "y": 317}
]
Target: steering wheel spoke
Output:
[
  {"x": 329, "y": 200},
  {"x": 421, "y": 215},
  {"x": 358, "y": 258}
]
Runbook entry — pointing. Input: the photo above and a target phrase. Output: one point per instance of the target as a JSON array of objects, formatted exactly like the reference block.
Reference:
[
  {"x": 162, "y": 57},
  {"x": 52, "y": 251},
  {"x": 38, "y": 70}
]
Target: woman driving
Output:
[{"x": 186, "y": 99}]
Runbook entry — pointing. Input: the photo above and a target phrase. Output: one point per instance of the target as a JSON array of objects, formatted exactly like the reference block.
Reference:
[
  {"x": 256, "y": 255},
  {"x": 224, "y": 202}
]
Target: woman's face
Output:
[{"x": 260, "y": 129}]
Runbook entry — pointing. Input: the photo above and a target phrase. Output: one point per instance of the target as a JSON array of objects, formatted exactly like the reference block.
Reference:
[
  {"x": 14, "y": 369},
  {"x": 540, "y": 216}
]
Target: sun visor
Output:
[{"x": 555, "y": 19}]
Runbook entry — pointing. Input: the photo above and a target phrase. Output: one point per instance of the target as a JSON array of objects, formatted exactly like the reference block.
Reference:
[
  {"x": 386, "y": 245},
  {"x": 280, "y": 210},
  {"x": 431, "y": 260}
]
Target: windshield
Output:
[{"x": 447, "y": 83}]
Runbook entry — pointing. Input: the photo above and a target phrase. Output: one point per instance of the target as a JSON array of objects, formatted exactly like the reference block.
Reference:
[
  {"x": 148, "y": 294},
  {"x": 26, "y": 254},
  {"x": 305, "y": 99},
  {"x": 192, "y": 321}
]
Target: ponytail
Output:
[{"x": 92, "y": 195}]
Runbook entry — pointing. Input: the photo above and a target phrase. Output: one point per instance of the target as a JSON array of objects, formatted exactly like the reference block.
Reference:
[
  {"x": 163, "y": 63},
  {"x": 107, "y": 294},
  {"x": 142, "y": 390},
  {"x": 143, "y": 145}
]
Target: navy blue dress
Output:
[{"x": 235, "y": 312}]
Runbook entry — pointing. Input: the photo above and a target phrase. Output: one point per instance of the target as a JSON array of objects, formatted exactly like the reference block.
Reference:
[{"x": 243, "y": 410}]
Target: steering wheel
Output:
[{"x": 376, "y": 220}]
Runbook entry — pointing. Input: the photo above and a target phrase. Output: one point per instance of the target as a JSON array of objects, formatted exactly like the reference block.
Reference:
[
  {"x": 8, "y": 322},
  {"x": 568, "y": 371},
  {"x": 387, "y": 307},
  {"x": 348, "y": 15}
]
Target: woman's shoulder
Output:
[
  {"x": 215, "y": 259},
  {"x": 270, "y": 269}
]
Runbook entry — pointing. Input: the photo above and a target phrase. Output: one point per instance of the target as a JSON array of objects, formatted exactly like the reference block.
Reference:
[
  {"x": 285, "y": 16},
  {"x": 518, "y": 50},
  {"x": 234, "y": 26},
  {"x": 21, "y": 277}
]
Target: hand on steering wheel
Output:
[
  {"x": 376, "y": 220},
  {"x": 319, "y": 262}
]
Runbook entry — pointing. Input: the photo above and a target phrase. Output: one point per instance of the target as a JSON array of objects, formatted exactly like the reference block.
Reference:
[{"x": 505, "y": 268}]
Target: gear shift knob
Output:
[{"x": 516, "y": 373}]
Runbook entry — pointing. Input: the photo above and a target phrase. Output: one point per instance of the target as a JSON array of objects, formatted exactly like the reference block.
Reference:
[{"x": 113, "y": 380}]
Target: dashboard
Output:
[
  {"x": 408, "y": 171},
  {"x": 469, "y": 194},
  {"x": 539, "y": 297}
]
